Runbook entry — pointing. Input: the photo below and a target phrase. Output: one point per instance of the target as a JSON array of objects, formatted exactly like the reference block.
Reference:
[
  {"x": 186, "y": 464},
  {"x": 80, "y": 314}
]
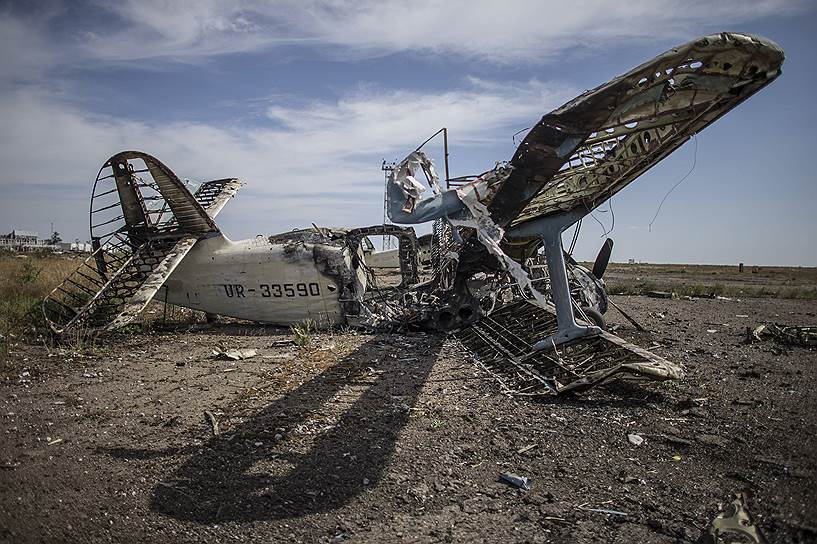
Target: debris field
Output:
[{"x": 234, "y": 433}]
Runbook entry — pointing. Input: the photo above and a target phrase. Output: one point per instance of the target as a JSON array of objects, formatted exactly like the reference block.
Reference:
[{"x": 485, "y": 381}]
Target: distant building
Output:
[
  {"x": 80, "y": 247},
  {"x": 24, "y": 240}
]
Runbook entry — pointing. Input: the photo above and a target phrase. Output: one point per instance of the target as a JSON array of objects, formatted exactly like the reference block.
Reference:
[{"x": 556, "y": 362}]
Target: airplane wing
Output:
[
  {"x": 582, "y": 153},
  {"x": 570, "y": 162},
  {"x": 503, "y": 342}
]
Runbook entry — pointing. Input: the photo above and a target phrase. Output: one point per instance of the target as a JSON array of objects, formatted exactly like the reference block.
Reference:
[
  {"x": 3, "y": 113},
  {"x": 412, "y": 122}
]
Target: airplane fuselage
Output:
[{"x": 255, "y": 279}]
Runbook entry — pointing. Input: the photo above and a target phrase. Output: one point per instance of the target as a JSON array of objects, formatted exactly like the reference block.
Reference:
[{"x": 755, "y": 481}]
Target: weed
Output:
[{"x": 302, "y": 332}]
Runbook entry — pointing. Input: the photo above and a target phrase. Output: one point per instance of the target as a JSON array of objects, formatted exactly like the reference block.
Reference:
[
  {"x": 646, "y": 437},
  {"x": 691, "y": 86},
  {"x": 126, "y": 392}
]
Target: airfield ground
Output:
[{"x": 403, "y": 438}]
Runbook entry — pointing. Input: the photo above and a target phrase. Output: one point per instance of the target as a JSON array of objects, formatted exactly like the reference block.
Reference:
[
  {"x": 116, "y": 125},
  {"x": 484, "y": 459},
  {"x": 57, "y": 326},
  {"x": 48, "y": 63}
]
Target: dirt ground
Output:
[{"x": 403, "y": 438}]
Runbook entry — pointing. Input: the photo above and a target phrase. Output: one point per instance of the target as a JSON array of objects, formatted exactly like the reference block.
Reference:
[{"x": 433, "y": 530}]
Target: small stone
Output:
[{"x": 635, "y": 440}]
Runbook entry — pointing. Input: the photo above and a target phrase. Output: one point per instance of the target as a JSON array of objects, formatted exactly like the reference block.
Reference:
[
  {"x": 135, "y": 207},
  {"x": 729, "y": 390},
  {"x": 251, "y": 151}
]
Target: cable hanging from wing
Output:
[{"x": 692, "y": 169}]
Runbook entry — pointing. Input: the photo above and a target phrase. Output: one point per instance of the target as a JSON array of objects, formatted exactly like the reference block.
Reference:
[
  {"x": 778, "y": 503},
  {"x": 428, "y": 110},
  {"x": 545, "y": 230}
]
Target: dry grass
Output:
[
  {"x": 24, "y": 282},
  {"x": 713, "y": 280}
]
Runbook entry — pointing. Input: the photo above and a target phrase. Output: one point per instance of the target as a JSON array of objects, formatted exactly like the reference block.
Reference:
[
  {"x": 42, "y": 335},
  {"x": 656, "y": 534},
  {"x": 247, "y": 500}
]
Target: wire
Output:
[
  {"x": 692, "y": 168},
  {"x": 603, "y": 228},
  {"x": 612, "y": 214},
  {"x": 513, "y": 138},
  {"x": 575, "y": 237}
]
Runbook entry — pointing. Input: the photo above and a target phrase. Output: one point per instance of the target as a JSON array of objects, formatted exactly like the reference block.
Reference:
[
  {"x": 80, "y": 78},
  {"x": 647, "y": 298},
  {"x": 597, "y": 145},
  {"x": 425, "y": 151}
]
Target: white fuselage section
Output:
[{"x": 257, "y": 280}]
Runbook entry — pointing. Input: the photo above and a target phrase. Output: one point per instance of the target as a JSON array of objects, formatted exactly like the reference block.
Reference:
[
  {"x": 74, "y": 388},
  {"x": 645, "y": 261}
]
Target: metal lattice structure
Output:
[
  {"x": 143, "y": 221},
  {"x": 503, "y": 343},
  {"x": 646, "y": 114}
]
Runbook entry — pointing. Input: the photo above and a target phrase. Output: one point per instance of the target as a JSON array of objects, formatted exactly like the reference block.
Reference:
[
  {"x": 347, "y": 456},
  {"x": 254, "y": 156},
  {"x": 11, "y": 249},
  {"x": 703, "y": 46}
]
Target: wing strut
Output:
[{"x": 549, "y": 229}]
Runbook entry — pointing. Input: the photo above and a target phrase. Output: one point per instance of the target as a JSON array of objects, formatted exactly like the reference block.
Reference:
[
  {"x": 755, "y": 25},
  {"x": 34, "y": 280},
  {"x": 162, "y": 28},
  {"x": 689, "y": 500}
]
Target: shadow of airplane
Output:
[{"x": 238, "y": 480}]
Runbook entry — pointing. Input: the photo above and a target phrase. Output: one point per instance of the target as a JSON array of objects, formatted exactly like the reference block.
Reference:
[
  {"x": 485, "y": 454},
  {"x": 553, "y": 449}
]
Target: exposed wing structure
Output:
[
  {"x": 213, "y": 195},
  {"x": 503, "y": 342},
  {"x": 144, "y": 221},
  {"x": 570, "y": 162},
  {"x": 587, "y": 150}
]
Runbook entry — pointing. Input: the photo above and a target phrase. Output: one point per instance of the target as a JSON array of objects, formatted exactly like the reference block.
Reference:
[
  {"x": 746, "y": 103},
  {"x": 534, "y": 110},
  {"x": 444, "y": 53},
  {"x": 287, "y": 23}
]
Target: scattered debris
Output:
[
  {"x": 234, "y": 354},
  {"x": 518, "y": 481},
  {"x": 627, "y": 316},
  {"x": 604, "y": 511},
  {"x": 213, "y": 421},
  {"x": 526, "y": 448},
  {"x": 735, "y": 520},
  {"x": 635, "y": 440},
  {"x": 627, "y": 479},
  {"x": 54, "y": 441},
  {"x": 796, "y": 336}
]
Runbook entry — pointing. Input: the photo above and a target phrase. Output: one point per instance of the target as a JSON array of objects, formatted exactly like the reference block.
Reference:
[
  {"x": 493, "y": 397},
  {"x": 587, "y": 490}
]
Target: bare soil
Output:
[{"x": 403, "y": 438}]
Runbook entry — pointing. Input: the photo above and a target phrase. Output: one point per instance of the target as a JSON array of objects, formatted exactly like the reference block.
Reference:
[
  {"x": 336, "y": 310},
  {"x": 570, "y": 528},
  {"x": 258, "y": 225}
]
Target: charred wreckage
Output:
[{"x": 493, "y": 272}]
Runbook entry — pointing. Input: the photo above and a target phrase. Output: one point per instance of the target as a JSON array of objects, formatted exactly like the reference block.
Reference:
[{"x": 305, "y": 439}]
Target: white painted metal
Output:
[{"x": 256, "y": 280}]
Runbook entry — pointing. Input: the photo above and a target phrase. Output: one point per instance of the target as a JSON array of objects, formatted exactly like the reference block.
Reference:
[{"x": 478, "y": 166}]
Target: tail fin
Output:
[{"x": 144, "y": 221}]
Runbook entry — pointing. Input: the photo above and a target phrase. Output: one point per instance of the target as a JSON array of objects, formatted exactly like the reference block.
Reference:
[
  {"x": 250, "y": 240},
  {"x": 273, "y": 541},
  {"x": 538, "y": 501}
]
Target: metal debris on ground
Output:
[
  {"x": 211, "y": 418},
  {"x": 627, "y": 316},
  {"x": 515, "y": 480},
  {"x": 796, "y": 336},
  {"x": 735, "y": 521},
  {"x": 604, "y": 511},
  {"x": 503, "y": 344},
  {"x": 234, "y": 354},
  {"x": 660, "y": 294}
]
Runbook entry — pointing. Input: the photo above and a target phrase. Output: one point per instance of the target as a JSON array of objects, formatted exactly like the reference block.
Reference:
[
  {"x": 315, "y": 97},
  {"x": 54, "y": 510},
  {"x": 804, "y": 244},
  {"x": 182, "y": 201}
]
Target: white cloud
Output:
[
  {"x": 26, "y": 49},
  {"x": 307, "y": 164},
  {"x": 520, "y": 30}
]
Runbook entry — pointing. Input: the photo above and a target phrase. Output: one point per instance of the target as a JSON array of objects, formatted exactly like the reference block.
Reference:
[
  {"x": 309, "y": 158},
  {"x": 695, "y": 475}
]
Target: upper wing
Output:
[{"x": 582, "y": 153}]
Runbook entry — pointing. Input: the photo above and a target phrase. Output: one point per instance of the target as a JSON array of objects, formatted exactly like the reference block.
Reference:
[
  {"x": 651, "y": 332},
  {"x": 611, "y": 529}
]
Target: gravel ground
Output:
[{"x": 403, "y": 438}]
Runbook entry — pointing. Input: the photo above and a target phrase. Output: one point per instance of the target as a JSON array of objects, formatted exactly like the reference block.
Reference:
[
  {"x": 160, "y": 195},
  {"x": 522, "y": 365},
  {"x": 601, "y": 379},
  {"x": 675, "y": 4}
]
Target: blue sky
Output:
[{"x": 303, "y": 100}]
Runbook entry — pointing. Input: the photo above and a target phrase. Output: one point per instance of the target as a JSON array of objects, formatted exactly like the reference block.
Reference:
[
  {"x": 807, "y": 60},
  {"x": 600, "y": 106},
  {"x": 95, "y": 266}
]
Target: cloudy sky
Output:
[{"x": 304, "y": 99}]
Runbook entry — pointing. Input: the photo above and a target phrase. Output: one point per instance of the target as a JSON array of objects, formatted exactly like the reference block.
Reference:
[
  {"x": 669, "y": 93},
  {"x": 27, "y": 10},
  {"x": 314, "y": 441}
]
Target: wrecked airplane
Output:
[{"x": 483, "y": 273}]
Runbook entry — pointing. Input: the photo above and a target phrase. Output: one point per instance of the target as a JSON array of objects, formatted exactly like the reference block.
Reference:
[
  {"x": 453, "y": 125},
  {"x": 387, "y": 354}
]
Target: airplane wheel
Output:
[{"x": 595, "y": 317}]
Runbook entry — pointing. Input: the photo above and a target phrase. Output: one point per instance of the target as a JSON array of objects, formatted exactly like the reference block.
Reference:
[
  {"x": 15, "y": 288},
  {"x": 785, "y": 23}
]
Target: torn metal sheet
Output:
[
  {"x": 474, "y": 195},
  {"x": 734, "y": 524},
  {"x": 234, "y": 354}
]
